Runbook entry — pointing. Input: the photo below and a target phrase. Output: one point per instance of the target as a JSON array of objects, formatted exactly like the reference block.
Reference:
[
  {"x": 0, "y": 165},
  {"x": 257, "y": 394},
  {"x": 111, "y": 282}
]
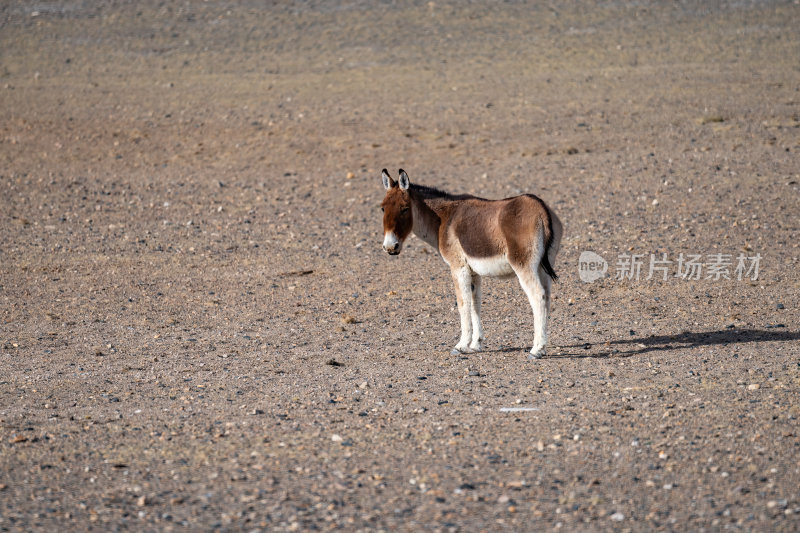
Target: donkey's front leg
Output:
[
  {"x": 477, "y": 329},
  {"x": 463, "y": 281}
]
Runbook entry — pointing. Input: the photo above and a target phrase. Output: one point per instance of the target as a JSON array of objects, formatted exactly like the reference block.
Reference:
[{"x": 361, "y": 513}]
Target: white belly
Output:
[{"x": 496, "y": 267}]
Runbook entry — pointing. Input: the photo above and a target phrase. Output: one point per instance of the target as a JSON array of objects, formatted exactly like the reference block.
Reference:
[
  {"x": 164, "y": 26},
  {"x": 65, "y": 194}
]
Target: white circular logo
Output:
[{"x": 591, "y": 267}]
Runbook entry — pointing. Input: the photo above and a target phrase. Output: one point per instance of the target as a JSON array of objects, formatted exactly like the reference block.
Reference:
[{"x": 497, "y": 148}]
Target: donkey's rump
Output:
[{"x": 524, "y": 223}]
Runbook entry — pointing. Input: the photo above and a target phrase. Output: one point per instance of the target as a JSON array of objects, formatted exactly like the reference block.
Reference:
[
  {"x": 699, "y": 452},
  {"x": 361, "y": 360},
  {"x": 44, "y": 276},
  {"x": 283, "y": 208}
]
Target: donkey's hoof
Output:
[
  {"x": 538, "y": 354},
  {"x": 458, "y": 350},
  {"x": 477, "y": 347}
]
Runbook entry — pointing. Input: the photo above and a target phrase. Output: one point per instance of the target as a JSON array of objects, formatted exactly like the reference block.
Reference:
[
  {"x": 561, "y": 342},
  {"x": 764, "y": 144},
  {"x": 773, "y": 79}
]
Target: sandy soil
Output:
[{"x": 200, "y": 331}]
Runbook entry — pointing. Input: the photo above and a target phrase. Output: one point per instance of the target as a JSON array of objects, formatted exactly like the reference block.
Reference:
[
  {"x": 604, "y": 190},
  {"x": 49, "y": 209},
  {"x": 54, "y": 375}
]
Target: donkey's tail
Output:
[
  {"x": 547, "y": 227},
  {"x": 547, "y": 267}
]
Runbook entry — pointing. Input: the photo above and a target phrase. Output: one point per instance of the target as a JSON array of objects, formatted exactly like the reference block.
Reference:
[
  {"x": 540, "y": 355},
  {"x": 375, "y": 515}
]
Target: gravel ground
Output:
[{"x": 199, "y": 329}]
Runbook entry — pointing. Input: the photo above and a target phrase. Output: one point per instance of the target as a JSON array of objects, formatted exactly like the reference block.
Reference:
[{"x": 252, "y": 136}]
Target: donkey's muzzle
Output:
[{"x": 391, "y": 244}]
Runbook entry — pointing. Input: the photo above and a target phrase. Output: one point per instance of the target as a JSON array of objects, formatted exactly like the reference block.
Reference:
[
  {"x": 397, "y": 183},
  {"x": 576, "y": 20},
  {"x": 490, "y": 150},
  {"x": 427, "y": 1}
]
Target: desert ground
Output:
[{"x": 199, "y": 330}]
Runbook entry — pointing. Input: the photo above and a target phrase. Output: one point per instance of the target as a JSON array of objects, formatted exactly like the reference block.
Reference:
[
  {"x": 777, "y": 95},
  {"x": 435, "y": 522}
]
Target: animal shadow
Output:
[{"x": 687, "y": 339}]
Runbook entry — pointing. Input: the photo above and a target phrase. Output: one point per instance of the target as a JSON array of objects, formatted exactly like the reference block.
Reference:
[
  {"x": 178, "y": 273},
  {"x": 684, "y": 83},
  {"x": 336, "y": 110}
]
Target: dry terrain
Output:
[{"x": 199, "y": 329}]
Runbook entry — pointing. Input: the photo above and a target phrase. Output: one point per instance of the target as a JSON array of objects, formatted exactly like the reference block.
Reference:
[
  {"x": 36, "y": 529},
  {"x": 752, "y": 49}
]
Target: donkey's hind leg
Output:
[{"x": 538, "y": 296}]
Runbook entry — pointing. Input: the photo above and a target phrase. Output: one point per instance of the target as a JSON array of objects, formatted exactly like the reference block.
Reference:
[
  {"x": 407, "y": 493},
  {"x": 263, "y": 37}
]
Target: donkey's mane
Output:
[{"x": 433, "y": 192}]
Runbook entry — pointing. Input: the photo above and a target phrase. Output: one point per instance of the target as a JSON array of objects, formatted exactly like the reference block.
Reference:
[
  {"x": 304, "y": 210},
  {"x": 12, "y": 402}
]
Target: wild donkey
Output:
[{"x": 478, "y": 237}]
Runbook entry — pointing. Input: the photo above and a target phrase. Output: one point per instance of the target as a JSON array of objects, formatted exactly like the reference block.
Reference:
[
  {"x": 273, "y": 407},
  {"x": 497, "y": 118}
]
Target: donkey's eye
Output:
[
  {"x": 382, "y": 209},
  {"x": 404, "y": 210}
]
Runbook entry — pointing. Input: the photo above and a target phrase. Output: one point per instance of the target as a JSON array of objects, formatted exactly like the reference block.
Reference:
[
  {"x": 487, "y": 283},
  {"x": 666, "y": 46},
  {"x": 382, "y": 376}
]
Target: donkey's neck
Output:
[{"x": 426, "y": 220}]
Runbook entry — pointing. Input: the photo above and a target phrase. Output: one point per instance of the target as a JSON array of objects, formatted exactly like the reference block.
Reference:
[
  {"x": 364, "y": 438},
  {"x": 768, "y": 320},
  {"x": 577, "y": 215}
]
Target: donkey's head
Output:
[{"x": 396, "y": 207}]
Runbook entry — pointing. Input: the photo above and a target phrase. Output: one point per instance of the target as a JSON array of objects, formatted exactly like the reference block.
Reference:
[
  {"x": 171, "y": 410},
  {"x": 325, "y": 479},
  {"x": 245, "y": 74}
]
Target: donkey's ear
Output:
[
  {"x": 388, "y": 182},
  {"x": 405, "y": 183}
]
